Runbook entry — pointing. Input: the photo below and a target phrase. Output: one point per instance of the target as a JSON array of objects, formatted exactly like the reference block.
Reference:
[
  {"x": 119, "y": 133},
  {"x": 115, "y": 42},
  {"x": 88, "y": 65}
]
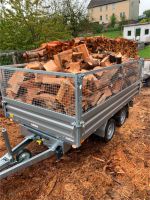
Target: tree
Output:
[
  {"x": 147, "y": 13},
  {"x": 73, "y": 13},
  {"x": 113, "y": 20},
  {"x": 122, "y": 21},
  {"x": 25, "y": 24}
]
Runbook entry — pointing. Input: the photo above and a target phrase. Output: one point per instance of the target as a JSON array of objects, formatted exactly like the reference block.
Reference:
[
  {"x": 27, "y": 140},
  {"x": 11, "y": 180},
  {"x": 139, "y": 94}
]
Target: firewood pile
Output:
[{"x": 80, "y": 55}]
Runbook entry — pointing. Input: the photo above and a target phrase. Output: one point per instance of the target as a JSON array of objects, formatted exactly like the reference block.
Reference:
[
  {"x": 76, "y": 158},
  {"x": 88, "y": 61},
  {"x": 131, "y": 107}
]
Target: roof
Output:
[
  {"x": 96, "y": 3},
  {"x": 138, "y": 24}
]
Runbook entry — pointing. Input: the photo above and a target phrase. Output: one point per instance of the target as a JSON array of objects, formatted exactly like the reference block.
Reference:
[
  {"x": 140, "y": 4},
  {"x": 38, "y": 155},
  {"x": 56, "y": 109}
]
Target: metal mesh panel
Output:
[
  {"x": 101, "y": 85},
  {"x": 56, "y": 93}
]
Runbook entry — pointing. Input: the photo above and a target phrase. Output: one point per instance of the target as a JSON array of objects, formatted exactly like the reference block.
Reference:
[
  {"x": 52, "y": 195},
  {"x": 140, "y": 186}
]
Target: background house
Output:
[
  {"x": 139, "y": 32},
  {"x": 101, "y": 10}
]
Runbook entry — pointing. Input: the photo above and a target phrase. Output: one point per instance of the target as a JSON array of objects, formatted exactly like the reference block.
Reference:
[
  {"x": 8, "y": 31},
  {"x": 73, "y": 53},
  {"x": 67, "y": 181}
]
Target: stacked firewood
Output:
[
  {"x": 57, "y": 93},
  {"x": 94, "y": 45}
]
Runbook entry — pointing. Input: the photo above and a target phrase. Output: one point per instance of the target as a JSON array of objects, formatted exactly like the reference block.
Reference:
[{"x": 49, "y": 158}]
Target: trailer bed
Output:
[{"x": 77, "y": 123}]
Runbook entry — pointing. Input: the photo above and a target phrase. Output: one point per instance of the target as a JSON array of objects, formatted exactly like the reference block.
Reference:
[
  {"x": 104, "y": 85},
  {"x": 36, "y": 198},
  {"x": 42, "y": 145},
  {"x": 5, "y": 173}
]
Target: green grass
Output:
[
  {"x": 145, "y": 53},
  {"x": 112, "y": 34}
]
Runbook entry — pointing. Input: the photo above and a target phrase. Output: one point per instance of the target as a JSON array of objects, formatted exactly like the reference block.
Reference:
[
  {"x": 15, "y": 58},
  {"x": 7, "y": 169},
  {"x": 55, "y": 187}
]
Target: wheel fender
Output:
[{"x": 101, "y": 130}]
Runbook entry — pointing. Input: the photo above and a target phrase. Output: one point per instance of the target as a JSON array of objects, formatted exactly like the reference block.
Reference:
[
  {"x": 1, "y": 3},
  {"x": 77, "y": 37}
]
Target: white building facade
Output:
[{"x": 138, "y": 32}]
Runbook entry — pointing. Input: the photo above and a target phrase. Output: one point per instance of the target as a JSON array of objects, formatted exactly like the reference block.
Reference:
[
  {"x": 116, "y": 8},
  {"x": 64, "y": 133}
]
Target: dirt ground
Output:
[{"x": 119, "y": 170}]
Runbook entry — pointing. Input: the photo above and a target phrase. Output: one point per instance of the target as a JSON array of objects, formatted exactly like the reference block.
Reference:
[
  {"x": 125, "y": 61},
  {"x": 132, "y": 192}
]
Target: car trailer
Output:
[{"x": 60, "y": 131}]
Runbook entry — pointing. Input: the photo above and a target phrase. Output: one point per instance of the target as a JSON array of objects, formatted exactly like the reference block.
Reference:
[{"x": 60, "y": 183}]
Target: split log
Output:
[
  {"x": 82, "y": 48},
  {"x": 117, "y": 86},
  {"x": 89, "y": 82},
  {"x": 30, "y": 94},
  {"x": 73, "y": 67},
  {"x": 77, "y": 56},
  {"x": 106, "y": 93},
  {"x": 92, "y": 62},
  {"x": 105, "y": 62},
  {"x": 44, "y": 100},
  {"x": 98, "y": 56},
  {"x": 50, "y": 66},
  {"x": 34, "y": 65},
  {"x": 14, "y": 83},
  {"x": 61, "y": 58},
  {"x": 102, "y": 83},
  {"x": 100, "y": 73},
  {"x": 66, "y": 96},
  {"x": 93, "y": 100}
]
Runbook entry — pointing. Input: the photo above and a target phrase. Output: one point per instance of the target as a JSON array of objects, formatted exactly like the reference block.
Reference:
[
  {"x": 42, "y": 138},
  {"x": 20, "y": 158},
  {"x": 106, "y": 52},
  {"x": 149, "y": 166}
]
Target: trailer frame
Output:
[{"x": 57, "y": 131}]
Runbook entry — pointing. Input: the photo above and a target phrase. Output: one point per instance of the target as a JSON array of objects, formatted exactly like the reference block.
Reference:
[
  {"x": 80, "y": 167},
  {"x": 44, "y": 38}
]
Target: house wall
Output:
[
  {"x": 133, "y": 9},
  {"x": 142, "y": 37},
  {"x": 106, "y": 11}
]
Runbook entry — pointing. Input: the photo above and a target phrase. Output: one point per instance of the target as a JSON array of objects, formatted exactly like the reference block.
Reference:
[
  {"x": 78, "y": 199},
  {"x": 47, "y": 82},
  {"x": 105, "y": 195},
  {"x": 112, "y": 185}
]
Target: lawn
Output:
[
  {"x": 145, "y": 53},
  {"x": 112, "y": 34}
]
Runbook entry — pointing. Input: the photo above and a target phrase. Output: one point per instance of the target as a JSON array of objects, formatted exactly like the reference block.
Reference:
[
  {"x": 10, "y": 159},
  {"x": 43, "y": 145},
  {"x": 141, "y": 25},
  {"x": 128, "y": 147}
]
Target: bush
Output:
[
  {"x": 113, "y": 20},
  {"x": 97, "y": 28},
  {"x": 145, "y": 20}
]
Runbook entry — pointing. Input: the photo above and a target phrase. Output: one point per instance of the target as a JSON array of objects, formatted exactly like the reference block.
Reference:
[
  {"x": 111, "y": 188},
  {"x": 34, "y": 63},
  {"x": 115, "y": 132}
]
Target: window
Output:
[
  {"x": 122, "y": 14},
  {"x": 129, "y": 33},
  {"x": 101, "y": 8},
  {"x": 106, "y": 17},
  {"x": 146, "y": 31},
  {"x": 101, "y": 18},
  {"x": 138, "y": 32}
]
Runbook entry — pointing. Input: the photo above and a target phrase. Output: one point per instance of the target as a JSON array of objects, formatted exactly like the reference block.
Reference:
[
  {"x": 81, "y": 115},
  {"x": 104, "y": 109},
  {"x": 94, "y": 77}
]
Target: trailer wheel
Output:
[
  {"x": 110, "y": 130},
  {"x": 23, "y": 155},
  {"x": 148, "y": 82},
  {"x": 121, "y": 116}
]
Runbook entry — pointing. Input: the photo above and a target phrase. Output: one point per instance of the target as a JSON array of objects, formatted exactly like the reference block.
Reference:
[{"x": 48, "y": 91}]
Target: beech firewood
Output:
[
  {"x": 51, "y": 66},
  {"x": 98, "y": 56},
  {"x": 65, "y": 56},
  {"x": 82, "y": 48},
  {"x": 31, "y": 93},
  {"x": 77, "y": 56},
  {"x": 89, "y": 82},
  {"x": 107, "y": 91},
  {"x": 102, "y": 99},
  {"x": 105, "y": 62},
  {"x": 100, "y": 73},
  {"x": 95, "y": 98},
  {"x": 102, "y": 83},
  {"x": 73, "y": 67},
  {"x": 92, "y": 62},
  {"x": 66, "y": 96},
  {"x": 44, "y": 100},
  {"x": 14, "y": 83},
  {"x": 117, "y": 86},
  {"x": 34, "y": 65}
]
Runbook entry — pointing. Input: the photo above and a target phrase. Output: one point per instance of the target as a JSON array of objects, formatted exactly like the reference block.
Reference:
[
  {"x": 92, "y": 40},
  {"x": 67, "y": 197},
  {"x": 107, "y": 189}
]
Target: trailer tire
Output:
[
  {"x": 23, "y": 155},
  {"x": 110, "y": 130},
  {"x": 148, "y": 82},
  {"x": 121, "y": 116}
]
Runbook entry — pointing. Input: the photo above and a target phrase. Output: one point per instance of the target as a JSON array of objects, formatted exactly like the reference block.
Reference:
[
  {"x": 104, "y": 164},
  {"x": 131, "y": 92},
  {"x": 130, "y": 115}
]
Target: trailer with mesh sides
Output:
[
  {"x": 10, "y": 57},
  {"x": 60, "y": 129}
]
